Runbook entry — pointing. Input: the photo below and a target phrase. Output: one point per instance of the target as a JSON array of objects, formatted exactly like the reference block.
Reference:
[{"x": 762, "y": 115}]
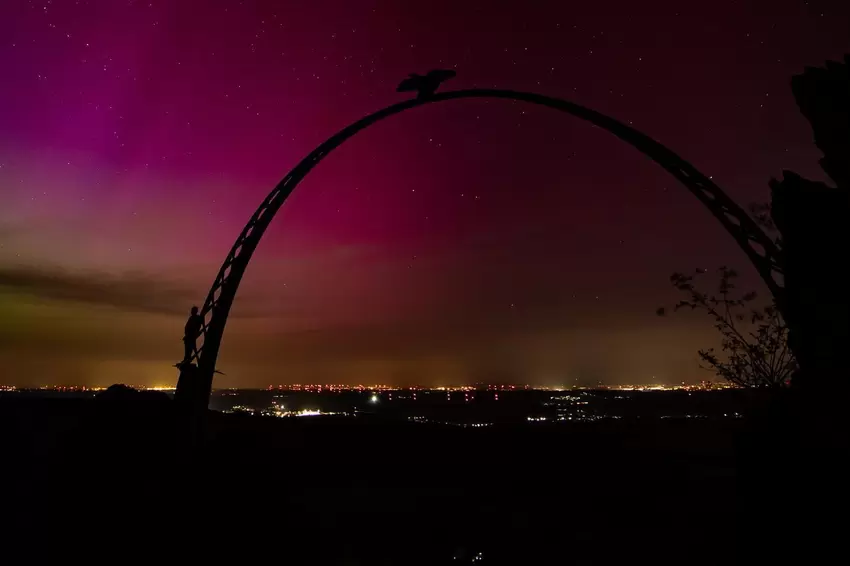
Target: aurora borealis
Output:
[{"x": 466, "y": 241}]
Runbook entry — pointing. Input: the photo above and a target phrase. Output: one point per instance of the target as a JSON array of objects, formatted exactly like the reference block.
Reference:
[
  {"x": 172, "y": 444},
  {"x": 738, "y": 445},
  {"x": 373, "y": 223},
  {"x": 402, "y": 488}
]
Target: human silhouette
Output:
[
  {"x": 191, "y": 333},
  {"x": 425, "y": 85}
]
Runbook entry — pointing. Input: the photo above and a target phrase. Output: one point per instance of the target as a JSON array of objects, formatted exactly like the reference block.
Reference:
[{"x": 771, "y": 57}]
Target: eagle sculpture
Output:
[{"x": 425, "y": 85}]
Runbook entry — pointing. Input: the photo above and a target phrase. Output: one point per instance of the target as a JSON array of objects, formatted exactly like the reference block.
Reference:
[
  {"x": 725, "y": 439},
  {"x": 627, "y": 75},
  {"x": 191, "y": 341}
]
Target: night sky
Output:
[{"x": 464, "y": 241}]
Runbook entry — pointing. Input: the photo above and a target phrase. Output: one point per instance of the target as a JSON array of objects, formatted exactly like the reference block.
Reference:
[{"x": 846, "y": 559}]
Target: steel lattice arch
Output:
[{"x": 758, "y": 247}]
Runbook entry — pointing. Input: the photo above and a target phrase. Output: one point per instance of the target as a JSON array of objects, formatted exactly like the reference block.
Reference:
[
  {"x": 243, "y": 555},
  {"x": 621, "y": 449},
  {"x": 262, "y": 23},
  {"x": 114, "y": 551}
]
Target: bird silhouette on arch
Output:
[{"x": 425, "y": 85}]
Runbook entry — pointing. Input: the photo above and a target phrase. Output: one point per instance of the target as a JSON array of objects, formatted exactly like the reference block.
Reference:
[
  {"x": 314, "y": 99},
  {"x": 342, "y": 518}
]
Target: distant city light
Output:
[
  {"x": 424, "y": 406},
  {"x": 308, "y": 413}
]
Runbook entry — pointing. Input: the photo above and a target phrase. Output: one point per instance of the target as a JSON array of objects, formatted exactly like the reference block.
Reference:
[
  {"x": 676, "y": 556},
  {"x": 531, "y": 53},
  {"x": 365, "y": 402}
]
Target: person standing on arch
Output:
[{"x": 190, "y": 334}]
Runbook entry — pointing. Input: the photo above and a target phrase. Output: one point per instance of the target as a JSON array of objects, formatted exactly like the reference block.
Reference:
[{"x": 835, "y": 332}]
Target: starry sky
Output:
[{"x": 466, "y": 241}]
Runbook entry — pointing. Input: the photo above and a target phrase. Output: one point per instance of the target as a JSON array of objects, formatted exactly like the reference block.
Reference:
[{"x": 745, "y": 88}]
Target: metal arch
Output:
[{"x": 756, "y": 244}]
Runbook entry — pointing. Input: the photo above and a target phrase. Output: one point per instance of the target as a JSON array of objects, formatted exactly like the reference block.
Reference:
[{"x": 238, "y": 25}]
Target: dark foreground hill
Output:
[{"x": 119, "y": 478}]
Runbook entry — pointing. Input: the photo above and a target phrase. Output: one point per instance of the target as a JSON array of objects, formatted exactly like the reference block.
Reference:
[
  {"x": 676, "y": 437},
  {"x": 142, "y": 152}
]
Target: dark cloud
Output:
[{"x": 133, "y": 291}]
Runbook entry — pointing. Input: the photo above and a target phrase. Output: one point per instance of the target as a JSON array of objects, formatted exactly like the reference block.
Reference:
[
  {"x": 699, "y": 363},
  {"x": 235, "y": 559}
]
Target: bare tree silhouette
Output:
[{"x": 754, "y": 338}]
